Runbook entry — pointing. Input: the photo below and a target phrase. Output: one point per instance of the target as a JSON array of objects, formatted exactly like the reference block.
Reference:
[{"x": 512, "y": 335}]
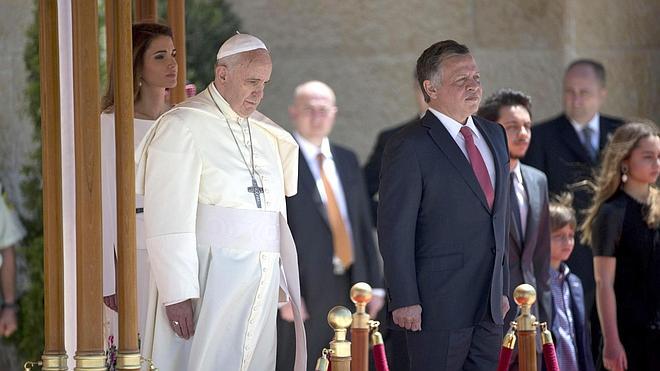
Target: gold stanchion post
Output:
[
  {"x": 525, "y": 295},
  {"x": 340, "y": 318},
  {"x": 361, "y": 296}
]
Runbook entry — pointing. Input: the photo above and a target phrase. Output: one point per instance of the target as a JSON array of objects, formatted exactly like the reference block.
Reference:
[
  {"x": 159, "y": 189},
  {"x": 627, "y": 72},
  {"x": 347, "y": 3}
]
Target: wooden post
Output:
[
  {"x": 87, "y": 133},
  {"x": 146, "y": 11},
  {"x": 109, "y": 36},
  {"x": 527, "y": 350},
  {"x": 54, "y": 357},
  {"x": 176, "y": 16},
  {"x": 129, "y": 356},
  {"x": 360, "y": 295}
]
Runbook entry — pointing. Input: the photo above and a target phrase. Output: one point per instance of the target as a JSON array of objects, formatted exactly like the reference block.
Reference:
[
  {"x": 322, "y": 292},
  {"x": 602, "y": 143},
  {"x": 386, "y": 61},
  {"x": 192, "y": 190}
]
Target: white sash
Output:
[{"x": 258, "y": 230}]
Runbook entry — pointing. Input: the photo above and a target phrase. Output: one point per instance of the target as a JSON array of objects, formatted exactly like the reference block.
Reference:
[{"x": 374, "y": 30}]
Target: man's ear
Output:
[
  {"x": 221, "y": 72},
  {"x": 430, "y": 90}
]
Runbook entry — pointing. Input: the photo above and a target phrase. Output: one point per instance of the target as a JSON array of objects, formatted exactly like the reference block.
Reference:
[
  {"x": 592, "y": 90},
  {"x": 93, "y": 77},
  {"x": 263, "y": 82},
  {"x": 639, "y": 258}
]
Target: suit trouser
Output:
[{"x": 473, "y": 348}]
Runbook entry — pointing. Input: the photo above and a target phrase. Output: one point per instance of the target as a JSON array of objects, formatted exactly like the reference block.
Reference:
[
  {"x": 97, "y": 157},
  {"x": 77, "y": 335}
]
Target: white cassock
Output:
[
  {"x": 109, "y": 206},
  {"x": 207, "y": 240}
]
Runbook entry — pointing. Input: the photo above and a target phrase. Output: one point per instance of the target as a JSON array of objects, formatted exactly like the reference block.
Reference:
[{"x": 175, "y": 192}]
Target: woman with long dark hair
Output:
[
  {"x": 154, "y": 72},
  {"x": 622, "y": 228}
]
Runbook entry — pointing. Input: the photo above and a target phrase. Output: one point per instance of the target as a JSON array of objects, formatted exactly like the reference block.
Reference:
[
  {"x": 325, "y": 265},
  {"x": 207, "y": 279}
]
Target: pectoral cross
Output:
[{"x": 257, "y": 191}]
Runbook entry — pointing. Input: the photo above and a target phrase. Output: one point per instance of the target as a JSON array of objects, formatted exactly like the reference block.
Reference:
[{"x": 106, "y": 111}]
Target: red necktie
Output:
[{"x": 478, "y": 166}]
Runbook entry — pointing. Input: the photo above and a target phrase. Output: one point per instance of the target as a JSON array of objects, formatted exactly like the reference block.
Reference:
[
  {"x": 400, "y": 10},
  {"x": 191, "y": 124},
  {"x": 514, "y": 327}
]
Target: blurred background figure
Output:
[
  {"x": 529, "y": 235},
  {"x": 567, "y": 149},
  {"x": 568, "y": 325},
  {"x": 330, "y": 222},
  {"x": 372, "y": 166},
  {"x": 11, "y": 233},
  {"x": 622, "y": 227},
  {"x": 154, "y": 72}
]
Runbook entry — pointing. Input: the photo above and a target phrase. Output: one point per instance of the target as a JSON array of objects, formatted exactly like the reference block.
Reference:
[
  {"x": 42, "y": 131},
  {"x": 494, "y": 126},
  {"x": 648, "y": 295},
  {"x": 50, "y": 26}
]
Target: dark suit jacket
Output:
[
  {"x": 321, "y": 289},
  {"x": 442, "y": 246},
  {"x": 582, "y": 337},
  {"x": 372, "y": 167},
  {"x": 529, "y": 260},
  {"x": 556, "y": 150}
]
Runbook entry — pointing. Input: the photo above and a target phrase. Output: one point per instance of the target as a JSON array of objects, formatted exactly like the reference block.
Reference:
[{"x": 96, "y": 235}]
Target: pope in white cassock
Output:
[{"x": 214, "y": 173}]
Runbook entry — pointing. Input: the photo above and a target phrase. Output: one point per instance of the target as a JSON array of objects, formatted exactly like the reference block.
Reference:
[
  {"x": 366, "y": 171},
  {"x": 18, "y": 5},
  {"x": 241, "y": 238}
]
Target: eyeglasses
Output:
[
  {"x": 515, "y": 129},
  {"x": 563, "y": 238}
]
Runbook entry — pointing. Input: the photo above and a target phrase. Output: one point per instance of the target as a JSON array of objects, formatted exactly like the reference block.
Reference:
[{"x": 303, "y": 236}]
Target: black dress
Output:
[{"x": 620, "y": 231}]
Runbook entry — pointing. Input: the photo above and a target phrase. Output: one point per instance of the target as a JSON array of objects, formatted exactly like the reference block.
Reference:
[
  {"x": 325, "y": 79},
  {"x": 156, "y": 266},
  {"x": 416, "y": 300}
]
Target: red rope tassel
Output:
[
  {"x": 508, "y": 344},
  {"x": 379, "y": 357},
  {"x": 549, "y": 354},
  {"x": 550, "y": 357},
  {"x": 505, "y": 359},
  {"x": 378, "y": 348}
]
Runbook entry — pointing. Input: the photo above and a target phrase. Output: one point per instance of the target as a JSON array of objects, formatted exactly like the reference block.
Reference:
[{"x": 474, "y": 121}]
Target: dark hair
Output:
[
  {"x": 562, "y": 212},
  {"x": 143, "y": 34},
  {"x": 490, "y": 109},
  {"x": 429, "y": 63},
  {"x": 598, "y": 68}
]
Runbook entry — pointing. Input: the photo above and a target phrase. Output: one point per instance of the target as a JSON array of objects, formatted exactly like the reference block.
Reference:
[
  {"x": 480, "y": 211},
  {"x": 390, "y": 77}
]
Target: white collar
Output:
[
  {"x": 224, "y": 106},
  {"x": 592, "y": 124},
  {"x": 453, "y": 126},
  {"x": 517, "y": 172},
  {"x": 310, "y": 150}
]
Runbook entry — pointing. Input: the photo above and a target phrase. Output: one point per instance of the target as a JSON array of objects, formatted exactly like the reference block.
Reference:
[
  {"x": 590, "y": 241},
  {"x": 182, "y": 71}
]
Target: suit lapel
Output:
[
  {"x": 533, "y": 203},
  {"x": 448, "y": 146},
  {"x": 308, "y": 183},
  {"x": 572, "y": 141}
]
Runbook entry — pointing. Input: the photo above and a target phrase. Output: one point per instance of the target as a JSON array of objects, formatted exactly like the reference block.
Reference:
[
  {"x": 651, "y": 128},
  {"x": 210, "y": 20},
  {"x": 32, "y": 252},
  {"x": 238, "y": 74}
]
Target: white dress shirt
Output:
[
  {"x": 310, "y": 152},
  {"x": 521, "y": 196},
  {"x": 454, "y": 129},
  {"x": 594, "y": 125}
]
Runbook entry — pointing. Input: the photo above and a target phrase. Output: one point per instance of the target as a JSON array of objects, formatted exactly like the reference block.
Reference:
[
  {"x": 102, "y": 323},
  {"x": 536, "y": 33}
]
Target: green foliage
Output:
[
  {"x": 29, "y": 338},
  {"x": 208, "y": 24}
]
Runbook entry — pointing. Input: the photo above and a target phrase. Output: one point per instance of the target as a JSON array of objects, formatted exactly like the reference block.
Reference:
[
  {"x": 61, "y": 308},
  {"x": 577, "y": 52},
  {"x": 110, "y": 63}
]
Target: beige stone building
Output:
[{"x": 366, "y": 50}]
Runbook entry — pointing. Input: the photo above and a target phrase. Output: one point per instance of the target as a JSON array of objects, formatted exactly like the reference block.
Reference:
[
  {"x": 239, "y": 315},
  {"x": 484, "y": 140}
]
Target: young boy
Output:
[{"x": 568, "y": 324}]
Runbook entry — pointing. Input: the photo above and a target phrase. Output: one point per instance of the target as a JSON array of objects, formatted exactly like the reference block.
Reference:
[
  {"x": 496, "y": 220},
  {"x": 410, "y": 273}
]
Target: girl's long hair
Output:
[{"x": 608, "y": 179}]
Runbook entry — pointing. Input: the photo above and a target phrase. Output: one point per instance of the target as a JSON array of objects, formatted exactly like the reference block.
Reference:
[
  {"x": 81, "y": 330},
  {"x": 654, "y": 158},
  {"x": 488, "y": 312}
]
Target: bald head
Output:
[
  {"x": 313, "y": 111},
  {"x": 584, "y": 90}
]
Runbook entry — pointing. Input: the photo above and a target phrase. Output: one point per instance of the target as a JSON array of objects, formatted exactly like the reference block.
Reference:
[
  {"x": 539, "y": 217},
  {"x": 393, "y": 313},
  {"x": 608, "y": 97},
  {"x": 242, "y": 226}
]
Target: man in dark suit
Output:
[
  {"x": 372, "y": 167},
  {"x": 567, "y": 149},
  {"x": 529, "y": 235},
  {"x": 331, "y": 225},
  {"x": 443, "y": 220}
]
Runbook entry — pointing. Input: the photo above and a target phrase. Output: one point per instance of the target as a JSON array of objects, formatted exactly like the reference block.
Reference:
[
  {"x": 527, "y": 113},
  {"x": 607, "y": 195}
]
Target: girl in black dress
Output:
[{"x": 622, "y": 228}]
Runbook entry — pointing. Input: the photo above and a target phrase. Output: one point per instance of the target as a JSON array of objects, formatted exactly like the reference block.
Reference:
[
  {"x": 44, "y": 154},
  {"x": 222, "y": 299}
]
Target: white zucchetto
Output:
[{"x": 240, "y": 43}]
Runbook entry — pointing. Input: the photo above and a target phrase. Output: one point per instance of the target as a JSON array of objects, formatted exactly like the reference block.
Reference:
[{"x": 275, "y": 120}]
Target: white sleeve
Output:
[
  {"x": 172, "y": 178},
  {"x": 108, "y": 202}
]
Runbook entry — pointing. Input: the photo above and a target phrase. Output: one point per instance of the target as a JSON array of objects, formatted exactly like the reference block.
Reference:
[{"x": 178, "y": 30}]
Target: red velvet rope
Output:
[
  {"x": 550, "y": 357},
  {"x": 505, "y": 358},
  {"x": 379, "y": 357}
]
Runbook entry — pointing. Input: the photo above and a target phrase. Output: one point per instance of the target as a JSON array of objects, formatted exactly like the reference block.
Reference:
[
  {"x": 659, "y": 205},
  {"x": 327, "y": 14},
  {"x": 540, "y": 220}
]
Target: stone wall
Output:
[
  {"x": 15, "y": 127},
  {"x": 366, "y": 51}
]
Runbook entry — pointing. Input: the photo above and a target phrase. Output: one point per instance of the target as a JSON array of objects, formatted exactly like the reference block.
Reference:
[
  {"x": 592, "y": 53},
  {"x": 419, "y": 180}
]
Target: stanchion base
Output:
[
  {"x": 54, "y": 362},
  {"x": 90, "y": 362},
  {"x": 128, "y": 361}
]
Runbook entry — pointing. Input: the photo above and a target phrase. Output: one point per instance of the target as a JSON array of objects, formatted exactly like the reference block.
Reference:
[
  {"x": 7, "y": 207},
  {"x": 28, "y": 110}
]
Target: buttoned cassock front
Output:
[{"x": 208, "y": 241}]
